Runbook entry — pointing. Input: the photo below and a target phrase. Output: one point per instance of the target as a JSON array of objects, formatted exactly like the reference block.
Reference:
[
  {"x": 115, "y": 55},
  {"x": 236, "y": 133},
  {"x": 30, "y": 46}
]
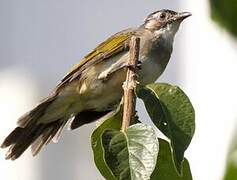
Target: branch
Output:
[{"x": 130, "y": 84}]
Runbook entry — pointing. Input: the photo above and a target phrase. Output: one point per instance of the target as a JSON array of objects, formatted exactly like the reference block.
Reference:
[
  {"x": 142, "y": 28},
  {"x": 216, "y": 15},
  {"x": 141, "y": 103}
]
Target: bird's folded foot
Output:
[{"x": 104, "y": 75}]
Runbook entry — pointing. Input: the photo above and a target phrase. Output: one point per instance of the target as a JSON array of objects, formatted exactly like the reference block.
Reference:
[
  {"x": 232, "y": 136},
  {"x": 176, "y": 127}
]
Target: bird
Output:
[{"x": 93, "y": 87}]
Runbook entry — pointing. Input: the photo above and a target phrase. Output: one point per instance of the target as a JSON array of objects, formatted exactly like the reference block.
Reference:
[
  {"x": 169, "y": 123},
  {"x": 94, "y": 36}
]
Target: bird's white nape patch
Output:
[
  {"x": 151, "y": 24},
  {"x": 156, "y": 15}
]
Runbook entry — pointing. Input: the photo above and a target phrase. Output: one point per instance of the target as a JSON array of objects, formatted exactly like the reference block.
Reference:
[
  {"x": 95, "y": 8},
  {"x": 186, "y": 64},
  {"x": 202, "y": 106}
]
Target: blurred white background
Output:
[{"x": 41, "y": 40}]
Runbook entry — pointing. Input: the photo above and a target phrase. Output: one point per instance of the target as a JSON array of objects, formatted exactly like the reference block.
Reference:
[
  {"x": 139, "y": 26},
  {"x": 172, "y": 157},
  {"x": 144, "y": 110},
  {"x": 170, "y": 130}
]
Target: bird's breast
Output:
[{"x": 154, "y": 61}]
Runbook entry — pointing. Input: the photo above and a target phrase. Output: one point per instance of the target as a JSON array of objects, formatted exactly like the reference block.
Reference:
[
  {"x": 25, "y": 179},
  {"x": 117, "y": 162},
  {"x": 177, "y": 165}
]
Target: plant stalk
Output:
[{"x": 129, "y": 85}]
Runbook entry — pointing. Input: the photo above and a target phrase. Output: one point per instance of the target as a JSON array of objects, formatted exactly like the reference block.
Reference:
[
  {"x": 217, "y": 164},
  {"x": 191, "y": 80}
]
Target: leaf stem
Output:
[{"x": 130, "y": 84}]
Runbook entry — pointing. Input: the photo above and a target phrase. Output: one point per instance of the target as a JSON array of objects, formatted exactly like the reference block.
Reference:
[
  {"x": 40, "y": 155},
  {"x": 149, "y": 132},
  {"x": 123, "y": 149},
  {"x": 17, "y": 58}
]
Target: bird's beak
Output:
[{"x": 183, "y": 15}]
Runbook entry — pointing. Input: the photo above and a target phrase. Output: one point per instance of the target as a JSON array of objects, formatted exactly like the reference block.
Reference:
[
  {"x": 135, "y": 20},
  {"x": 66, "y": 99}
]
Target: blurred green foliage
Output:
[
  {"x": 224, "y": 12},
  {"x": 231, "y": 165}
]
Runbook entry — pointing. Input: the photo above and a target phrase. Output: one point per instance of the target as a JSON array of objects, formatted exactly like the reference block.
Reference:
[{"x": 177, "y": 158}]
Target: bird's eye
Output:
[{"x": 162, "y": 15}]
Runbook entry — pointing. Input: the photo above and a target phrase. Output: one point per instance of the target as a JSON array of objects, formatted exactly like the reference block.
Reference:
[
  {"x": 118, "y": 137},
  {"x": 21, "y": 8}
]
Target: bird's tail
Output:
[{"x": 31, "y": 132}]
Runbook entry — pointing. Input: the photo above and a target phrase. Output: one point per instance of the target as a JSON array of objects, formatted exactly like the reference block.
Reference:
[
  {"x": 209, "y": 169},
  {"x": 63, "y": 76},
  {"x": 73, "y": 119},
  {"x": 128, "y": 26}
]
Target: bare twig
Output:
[{"x": 130, "y": 84}]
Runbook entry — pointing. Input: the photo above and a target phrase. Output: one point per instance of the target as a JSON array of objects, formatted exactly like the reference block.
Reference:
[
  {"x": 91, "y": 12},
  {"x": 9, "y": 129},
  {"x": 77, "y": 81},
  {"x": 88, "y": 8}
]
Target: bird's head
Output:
[{"x": 165, "y": 21}]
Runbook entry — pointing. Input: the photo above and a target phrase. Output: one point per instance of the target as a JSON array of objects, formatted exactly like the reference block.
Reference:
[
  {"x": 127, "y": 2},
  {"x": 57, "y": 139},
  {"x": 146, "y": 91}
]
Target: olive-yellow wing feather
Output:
[{"x": 112, "y": 46}]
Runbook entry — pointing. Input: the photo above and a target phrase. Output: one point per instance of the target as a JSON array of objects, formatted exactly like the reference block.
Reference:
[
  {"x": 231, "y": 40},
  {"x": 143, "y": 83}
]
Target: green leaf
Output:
[
  {"x": 173, "y": 114},
  {"x": 113, "y": 122},
  {"x": 131, "y": 155},
  {"x": 165, "y": 168}
]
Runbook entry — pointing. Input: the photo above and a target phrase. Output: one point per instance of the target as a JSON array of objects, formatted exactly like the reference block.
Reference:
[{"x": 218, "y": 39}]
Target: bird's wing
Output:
[{"x": 112, "y": 46}]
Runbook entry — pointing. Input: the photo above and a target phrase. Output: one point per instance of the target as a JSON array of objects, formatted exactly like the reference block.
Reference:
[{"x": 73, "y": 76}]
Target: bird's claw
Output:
[{"x": 138, "y": 66}]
